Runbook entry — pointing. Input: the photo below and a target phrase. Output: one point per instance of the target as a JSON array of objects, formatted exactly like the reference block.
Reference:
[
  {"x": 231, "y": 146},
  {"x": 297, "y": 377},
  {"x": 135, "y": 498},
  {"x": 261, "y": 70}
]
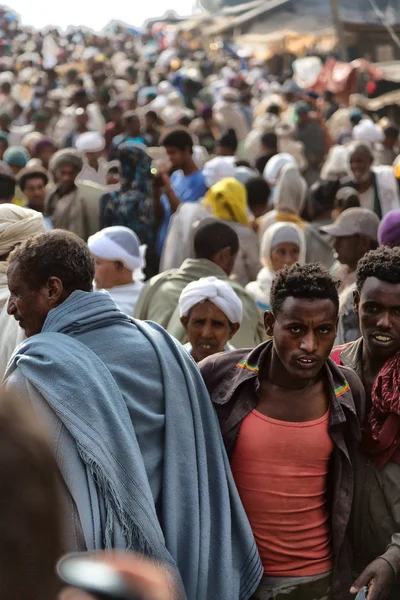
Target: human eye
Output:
[
  {"x": 325, "y": 329},
  {"x": 371, "y": 309},
  {"x": 295, "y": 329}
]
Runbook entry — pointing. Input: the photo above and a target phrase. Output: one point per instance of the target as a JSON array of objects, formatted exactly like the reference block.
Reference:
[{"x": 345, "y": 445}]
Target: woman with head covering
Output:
[
  {"x": 227, "y": 200},
  {"x": 132, "y": 205},
  {"x": 211, "y": 314},
  {"x": 16, "y": 225},
  {"x": 282, "y": 245},
  {"x": 289, "y": 199},
  {"x": 274, "y": 167},
  {"x": 119, "y": 261}
]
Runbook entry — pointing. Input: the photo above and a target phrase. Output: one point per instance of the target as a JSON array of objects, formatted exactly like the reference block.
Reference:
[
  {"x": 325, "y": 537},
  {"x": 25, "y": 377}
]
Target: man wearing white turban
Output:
[
  {"x": 119, "y": 259},
  {"x": 211, "y": 314},
  {"x": 16, "y": 225},
  {"x": 95, "y": 167}
]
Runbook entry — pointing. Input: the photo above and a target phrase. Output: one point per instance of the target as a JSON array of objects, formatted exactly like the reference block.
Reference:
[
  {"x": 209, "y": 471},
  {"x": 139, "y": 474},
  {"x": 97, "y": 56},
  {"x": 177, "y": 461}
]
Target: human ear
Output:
[
  {"x": 55, "y": 290},
  {"x": 269, "y": 321}
]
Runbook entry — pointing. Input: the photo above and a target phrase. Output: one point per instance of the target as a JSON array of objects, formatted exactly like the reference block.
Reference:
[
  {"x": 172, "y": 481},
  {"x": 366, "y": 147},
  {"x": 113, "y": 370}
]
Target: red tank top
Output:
[{"x": 280, "y": 469}]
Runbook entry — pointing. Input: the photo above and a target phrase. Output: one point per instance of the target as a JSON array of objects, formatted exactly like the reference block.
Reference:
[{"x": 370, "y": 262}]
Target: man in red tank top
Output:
[{"x": 288, "y": 417}]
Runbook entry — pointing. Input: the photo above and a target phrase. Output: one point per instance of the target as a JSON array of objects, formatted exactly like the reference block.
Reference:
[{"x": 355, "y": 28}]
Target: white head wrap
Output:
[
  {"x": 120, "y": 243},
  {"x": 243, "y": 174},
  {"x": 17, "y": 224},
  {"x": 216, "y": 291},
  {"x": 281, "y": 233},
  {"x": 91, "y": 141},
  {"x": 220, "y": 167},
  {"x": 274, "y": 166},
  {"x": 367, "y": 131}
]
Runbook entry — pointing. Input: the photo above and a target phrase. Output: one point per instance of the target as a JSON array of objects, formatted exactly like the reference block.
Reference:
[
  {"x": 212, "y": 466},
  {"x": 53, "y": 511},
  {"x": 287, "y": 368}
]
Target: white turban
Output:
[
  {"x": 220, "y": 167},
  {"x": 120, "y": 244},
  {"x": 17, "y": 224},
  {"x": 91, "y": 141},
  {"x": 367, "y": 131},
  {"x": 216, "y": 291},
  {"x": 274, "y": 166}
]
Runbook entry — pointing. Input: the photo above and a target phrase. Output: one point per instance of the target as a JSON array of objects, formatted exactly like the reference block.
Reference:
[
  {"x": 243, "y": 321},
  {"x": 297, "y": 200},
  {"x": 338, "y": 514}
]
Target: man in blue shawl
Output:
[{"x": 135, "y": 435}]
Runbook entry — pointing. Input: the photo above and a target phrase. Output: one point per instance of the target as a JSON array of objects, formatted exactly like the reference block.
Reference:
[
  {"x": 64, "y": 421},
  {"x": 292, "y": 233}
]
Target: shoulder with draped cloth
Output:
[{"x": 148, "y": 471}]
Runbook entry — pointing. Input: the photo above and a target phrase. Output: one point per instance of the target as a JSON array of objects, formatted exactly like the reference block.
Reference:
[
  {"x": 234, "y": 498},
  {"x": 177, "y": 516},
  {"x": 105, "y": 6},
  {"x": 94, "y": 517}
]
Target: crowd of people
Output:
[{"x": 199, "y": 324}]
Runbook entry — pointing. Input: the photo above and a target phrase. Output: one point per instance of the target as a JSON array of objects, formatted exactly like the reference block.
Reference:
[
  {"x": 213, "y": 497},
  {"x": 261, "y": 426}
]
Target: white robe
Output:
[{"x": 126, "y": 296}]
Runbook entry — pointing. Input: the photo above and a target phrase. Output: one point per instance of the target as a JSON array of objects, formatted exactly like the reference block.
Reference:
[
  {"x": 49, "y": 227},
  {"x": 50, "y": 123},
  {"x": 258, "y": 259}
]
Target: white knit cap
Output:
[
  {"x": 91, "y": 141},
  {"x": 220, "y": 167},
  {"x": 122, "y": 244},
  {"x": 216, "y": 291}
]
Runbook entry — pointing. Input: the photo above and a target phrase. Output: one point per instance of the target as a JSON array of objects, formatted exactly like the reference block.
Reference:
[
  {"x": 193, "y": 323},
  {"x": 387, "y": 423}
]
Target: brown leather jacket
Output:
[{"x": 232, "y": 379}]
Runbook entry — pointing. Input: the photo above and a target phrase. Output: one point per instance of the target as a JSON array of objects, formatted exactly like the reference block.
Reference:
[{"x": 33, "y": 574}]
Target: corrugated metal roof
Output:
[
  {"x": 311, "y": 15},
  {"x": 257, "y": 11}
]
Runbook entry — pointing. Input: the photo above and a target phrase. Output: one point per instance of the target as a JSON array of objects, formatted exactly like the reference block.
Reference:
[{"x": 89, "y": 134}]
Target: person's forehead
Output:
[
  {"x": 67, "y": 167},
  {"x": 318, "y": 310},
  {"x": 381, "y": 292},
  {"x": 13, "y": 272},
  {"x": 34, "y": 181},
  {"x": 205, "y": 309},
  {"x": 360, "y": 154}
]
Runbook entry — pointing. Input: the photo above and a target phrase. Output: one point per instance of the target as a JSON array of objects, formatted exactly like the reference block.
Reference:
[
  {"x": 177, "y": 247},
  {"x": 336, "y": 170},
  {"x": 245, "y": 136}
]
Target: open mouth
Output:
[
  {"x": 382, "y": 338},
  {"x": 205, "y": 346},
  {"x": 307, "y": 362}
]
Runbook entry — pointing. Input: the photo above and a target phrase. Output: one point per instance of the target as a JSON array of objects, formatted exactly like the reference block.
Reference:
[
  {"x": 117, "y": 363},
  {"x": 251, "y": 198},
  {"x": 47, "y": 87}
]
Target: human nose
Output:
[
  {"x": 309, "y": 342},
  {"x": 207, "y": 331},
  {"x": 384, "y": 320},
  {"x": 11, "y": 309}
]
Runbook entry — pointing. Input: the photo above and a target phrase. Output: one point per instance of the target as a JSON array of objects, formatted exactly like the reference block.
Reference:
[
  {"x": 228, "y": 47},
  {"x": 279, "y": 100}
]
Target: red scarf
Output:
[{"x": 382, "y": 439}]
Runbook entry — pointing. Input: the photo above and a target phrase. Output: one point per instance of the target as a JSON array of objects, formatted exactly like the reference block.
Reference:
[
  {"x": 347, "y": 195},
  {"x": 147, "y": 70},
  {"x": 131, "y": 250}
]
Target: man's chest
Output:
[{"x": 285, "y": 404}]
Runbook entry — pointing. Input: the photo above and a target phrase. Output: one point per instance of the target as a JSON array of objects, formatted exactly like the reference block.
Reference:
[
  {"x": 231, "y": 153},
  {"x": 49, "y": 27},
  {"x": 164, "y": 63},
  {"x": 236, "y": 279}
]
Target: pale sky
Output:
[{"x": 94, "y": 14}]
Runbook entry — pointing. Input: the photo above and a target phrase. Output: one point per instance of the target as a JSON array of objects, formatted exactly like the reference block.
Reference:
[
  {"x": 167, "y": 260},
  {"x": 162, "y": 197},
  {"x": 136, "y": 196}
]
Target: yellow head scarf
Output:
[{"x": 227, "y": 200}]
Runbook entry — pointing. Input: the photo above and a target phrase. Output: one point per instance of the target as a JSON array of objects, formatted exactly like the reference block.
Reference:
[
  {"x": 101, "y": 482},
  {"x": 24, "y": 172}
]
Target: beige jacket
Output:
[
  {"x": 159, "y": 299},
  {"x": 78, "y": 211}
]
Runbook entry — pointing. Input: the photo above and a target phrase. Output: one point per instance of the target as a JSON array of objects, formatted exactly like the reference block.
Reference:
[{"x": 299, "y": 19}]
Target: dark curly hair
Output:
[
  {"x": 312, "y": 281},
  {"x": 56, "y": 253},
  {"x": 383, "y": 263}
]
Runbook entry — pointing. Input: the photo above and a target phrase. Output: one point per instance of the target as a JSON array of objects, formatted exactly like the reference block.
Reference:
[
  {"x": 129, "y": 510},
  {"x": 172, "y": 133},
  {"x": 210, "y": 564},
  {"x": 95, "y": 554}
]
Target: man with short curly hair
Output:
[
  {"x": 288, "y": 415},
  {"x": 375, "y": 357}
]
